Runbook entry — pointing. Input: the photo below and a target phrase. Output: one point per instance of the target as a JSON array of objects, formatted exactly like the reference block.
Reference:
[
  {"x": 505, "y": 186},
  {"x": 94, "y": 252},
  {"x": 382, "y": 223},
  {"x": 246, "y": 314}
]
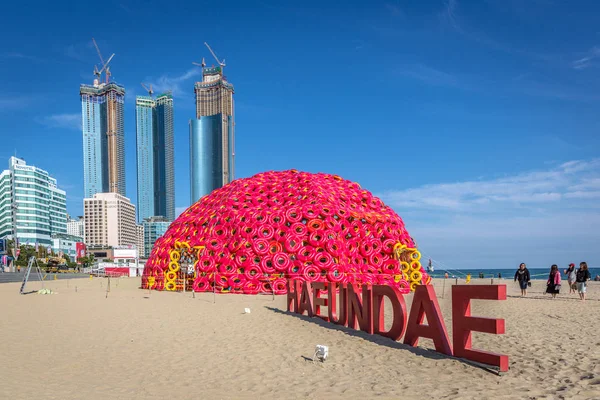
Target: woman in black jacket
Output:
[
  {"x": 582, "y": 276},
  {"x": 522, "y": 275}
]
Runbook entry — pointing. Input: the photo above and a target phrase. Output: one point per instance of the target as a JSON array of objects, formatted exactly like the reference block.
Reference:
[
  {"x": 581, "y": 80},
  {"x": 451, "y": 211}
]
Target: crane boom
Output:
[
  {"x": 150, "y": 91},
  {"x": 105, "y": 67},
  {"x": 222, "y": 64},
  {"x": 98, "y": 50}
]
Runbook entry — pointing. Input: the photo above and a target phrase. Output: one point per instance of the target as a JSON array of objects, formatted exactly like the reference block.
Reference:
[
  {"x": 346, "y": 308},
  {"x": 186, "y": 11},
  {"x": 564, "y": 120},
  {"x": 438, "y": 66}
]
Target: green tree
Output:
[
  {"x": 87, "y": 261},
  {"x": 42, "y": 252},
  {"x": 27, "y": 252}
]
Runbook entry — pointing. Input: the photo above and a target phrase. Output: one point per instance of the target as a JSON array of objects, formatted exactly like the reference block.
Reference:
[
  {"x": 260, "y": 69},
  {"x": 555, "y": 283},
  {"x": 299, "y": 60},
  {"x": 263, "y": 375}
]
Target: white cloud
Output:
[
  {"x": 448, "y": 14},
  {"x": 173, "y": 83},
  {"x": 588, "y": 59},
  {"x": 583, "y": 195},
  {"x": 546, "y": 216},
  {"x": 64, "y": 121},
  {"x": 521, "y": 189},
  {"x": 428, "y": 75},
  {"x": 15, "y": 102}
]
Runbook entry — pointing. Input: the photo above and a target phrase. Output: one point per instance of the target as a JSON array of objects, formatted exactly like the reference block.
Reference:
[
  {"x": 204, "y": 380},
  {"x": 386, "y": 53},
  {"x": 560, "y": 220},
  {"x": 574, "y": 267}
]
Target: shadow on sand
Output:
[{"x": 379, "y": 340}]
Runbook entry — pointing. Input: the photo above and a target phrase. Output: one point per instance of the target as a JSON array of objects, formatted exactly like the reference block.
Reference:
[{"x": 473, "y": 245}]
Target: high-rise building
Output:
[
  {"x": 139, "y": 243},
  {"x": 212, "y": 138},
  {"x": 154, "y": 227},
  {"x": 109, "y": 220},
  {"x": 102, "y": 111},
  {"x": 144, "y": 122},
  {"x": 164, "y": 158},
  {"x": 31, "y": 201},
  {"x": 155, "y": 158}
]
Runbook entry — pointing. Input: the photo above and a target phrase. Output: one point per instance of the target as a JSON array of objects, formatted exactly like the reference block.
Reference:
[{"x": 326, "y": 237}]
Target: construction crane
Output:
[
  {"x": 221, "y": 63},
  {"x": 203, "y": 64},
  {"x": 150, "y": 91},
  {"x": 105, "y": 67}
]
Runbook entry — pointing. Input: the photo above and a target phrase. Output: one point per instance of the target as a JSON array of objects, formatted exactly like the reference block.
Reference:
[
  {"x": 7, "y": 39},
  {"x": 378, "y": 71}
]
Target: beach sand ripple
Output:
[{"x": 136, "y": 345}]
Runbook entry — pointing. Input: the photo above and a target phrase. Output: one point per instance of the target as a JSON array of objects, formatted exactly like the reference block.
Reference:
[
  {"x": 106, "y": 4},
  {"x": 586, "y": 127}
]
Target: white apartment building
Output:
[
  {"x": 75, "y": 226},
  {"x": 109, "y": 220},
  {"x": 140, "y": 239}
]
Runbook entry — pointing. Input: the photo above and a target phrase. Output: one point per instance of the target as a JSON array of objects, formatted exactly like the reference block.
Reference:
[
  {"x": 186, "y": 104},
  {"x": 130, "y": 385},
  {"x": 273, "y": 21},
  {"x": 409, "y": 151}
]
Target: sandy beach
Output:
[{"x": 80, "y": 344}]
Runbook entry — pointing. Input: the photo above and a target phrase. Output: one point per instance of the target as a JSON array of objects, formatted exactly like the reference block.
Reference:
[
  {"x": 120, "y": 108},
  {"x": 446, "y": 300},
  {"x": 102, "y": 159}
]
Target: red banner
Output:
[{"x": 80, "y": 249}]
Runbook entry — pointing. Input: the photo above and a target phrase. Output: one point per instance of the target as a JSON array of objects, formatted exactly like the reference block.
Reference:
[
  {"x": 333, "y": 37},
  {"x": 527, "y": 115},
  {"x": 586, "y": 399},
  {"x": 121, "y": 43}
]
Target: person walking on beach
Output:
[
  {"x": 522, "y": 275},
  {"x": 553, "y": 284},
  {"x": 571, "y": 277},
  {"x": 582, "y": 276}
]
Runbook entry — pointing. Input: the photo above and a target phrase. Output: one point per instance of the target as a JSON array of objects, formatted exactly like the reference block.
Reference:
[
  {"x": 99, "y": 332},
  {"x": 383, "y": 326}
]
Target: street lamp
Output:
[{"x": 15, "y": 207}]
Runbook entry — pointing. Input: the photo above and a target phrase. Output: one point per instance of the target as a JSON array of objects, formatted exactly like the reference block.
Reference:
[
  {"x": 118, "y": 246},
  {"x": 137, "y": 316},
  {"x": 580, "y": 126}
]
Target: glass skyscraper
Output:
[
  {"x": 102, "y": 111},
  {"x": 164, "y": 159},
  {"x": 212, "y": 138},
  {"x": 206, "y": 169},
  {"x": 155, "y": 158},
  {"x": 154, "y": 227},
  {"x": 31, "y": 201},
  {"x": 144, "y": 121}
]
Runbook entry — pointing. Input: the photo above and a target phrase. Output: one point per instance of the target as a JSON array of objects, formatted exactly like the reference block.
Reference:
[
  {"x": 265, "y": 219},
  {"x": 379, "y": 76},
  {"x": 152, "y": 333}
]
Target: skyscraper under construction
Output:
[
  {"x": 102, "y": 112},
  {"x": 212, "y": 136}
]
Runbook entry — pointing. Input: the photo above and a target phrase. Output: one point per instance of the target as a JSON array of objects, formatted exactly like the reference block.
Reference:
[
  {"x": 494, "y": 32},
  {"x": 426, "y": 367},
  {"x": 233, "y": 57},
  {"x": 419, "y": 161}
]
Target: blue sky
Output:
[{"x": 477, "y": 121}]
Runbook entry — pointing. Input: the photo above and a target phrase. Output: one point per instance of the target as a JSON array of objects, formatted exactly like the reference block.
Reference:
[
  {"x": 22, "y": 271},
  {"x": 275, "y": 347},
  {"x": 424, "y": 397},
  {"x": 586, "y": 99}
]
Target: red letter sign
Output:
[
  {"x": 333, "y": 306},
  {"x": 360, "y": 309},
  {"x": 425, "y": 304},
  {"x": 399, "y": 311},
  {"x": 463, "y": 324},
  {"x": 306, "y": 301},
  {"x": 319, "y": 301},
  {"x": 293, "y": 287}
]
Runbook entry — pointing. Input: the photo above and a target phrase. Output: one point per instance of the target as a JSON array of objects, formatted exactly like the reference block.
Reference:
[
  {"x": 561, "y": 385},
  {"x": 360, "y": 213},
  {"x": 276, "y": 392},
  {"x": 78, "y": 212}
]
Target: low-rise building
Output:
[
  {"x": 75, "y": 226},
  {"x": 154, "y": 227},
  {"x": 66, "y": 244}
]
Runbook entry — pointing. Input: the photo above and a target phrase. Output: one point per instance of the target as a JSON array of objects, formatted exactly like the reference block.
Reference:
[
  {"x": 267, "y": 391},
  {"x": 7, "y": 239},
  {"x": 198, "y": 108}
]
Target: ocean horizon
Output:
[{"x": 505, "y": 273}]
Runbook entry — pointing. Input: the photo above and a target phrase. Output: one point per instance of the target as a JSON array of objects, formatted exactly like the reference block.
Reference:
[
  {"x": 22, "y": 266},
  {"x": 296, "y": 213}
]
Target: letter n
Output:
[{"x": 360, "y": 310}]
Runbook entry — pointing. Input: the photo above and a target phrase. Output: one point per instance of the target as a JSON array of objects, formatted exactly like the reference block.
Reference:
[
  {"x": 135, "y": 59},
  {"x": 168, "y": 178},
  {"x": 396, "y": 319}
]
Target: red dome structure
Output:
[{"x": 253, "y": 234}]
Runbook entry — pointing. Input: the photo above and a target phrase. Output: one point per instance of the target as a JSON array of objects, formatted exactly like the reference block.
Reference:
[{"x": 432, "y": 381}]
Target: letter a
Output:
[
  {"x": 425, "y": 304},
  {"x": 306, "y": 300}
]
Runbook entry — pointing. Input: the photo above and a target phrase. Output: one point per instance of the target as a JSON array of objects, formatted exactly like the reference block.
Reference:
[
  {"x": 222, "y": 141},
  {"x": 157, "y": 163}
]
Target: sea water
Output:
[{"x": 506, "y": 273}]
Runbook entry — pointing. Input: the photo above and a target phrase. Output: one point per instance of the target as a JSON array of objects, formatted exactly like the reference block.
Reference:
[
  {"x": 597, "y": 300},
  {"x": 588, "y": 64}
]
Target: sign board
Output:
[
  {"x": 125, "y": 253},
  {"x": 362, "y": 307},
  {"x": 80, "y": 250},
  {"x": 2, "y": 246}
]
